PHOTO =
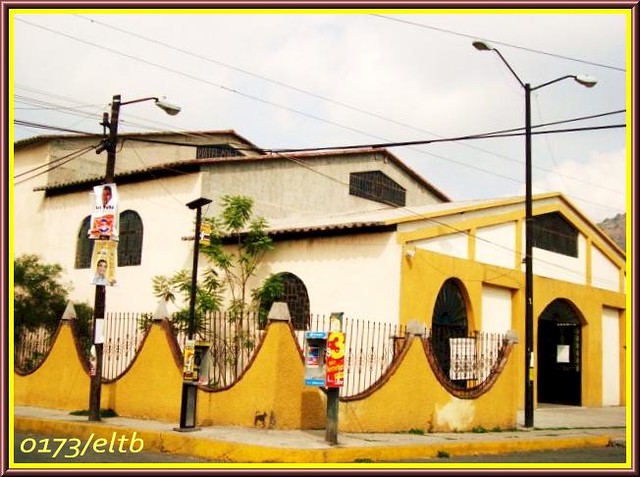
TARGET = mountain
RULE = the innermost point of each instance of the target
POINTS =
(616, 228)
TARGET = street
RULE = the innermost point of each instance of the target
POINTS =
(590, 455)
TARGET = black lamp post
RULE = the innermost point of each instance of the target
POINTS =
(109, 144)
(528, 256)
(189, 388)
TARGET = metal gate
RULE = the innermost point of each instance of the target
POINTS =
(559, 355)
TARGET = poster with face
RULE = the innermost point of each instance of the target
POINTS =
(104, 263)
(104, 213)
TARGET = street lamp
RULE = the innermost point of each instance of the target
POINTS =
(109, 144)
(528, 257)
(190, 388)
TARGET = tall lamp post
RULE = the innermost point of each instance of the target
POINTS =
(109, 144)
(189, 387)
(528, 256)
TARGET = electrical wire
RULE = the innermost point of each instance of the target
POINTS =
(58, 163)
(250, 96)
(495, 42)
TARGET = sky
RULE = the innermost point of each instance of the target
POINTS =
(293, 80)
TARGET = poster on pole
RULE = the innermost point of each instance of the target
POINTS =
(104, 213)
(335, 359)
(104, 262)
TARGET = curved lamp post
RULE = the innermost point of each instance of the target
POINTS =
(109, 144)
(528, 287)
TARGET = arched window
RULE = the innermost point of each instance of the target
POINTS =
(449, 321)
(294, 294)
(129, 245)
(84, 246)
(130, 239)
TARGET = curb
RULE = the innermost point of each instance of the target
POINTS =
(235, 452)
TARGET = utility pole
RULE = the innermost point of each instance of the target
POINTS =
(109, 144)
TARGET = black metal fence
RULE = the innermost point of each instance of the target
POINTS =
(468, 362)
(123, 333)
(371, 348)
(31, 348)
(232, 342)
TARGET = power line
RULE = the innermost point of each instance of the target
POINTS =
(451, 32)
(262, 100)
(58, 163)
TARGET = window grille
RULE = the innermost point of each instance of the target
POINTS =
(130, 239)
(84, 246)
(375, 185)
(553, 233)
(294, 294)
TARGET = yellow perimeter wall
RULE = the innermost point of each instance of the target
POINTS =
(407, 397)
(424, 272)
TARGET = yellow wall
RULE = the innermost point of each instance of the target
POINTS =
(62, 379)
(412, 398)
(408, 397)
(424, 273)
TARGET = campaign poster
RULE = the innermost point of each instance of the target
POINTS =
(335, 359)
(188, 365)
(104, 213)
(104, 263)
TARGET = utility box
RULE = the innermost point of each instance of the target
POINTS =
(324, 358)
(315, 351)
(194, 358)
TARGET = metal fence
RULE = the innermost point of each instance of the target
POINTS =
(468, 362)
(31, 348)
(232, 342)
(123, 333)
(370, 349)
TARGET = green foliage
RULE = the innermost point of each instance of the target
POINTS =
(84, 320)
(230, 267)
(178, 286)
(103, 413)
(479, 430)
(236, 225)
(419, 432)
(270, 291)
(40, 297)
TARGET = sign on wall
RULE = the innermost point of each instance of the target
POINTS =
(463, 358)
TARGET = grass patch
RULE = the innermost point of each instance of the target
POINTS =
(364, 460)
(479, 430)
(442, 454)
(103, 413)
(419, 432)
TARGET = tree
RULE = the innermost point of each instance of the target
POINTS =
(231, 267)
(238, 264)
(208, 296)
(40, 297)
(237, 244)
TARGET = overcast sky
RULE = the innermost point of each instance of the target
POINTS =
(292, 80)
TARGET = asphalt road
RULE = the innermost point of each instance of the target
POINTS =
(590, 455)
(39, 448)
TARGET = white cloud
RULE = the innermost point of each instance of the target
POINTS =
(596, 187)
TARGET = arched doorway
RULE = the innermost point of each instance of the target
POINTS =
(559, 355)
(449, 321)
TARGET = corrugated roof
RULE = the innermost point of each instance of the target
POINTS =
(193, 165)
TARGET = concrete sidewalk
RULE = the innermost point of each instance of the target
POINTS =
(555, 427)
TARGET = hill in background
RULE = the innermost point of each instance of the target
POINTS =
(616, 228)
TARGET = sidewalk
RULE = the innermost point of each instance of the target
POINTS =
(555, 427)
